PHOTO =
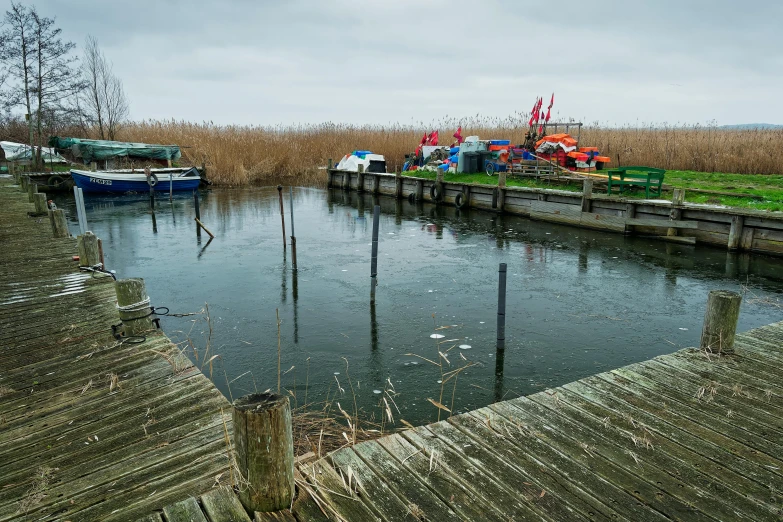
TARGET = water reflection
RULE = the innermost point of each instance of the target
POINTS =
(579, 301)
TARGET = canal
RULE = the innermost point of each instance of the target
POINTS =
(579, 302)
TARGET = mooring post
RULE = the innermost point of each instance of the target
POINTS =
(39, 199)
(89, 254)
(419, 190)
(171, 185)
(79, 213)
(360, 181)
(152, 198)
(376, 184)
(502, 307)
(133, 305)
(678, 197)
(23, 182)
(720, 321)
(587, 195)
(59, 224)
(282, 214)
(32, 189)
(293, 234)
(398, 185)
(198, 213)
(264, 448)
(735, 232)
(329, 174)
(376, 217)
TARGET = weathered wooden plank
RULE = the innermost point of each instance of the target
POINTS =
(335, 490)
(185, 511)
(152, 517)
(453, 491)
(679, 469)
(481, 477)
(276, 516)
(377, 495)
(222, 505)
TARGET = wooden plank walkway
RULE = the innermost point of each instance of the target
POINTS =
(89, 429)
(679, 437)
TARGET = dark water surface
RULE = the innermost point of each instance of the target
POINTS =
(579, 302)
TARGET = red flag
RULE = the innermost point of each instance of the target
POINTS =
(458, 135)
(552, 101)
(533, 113)
(423, 139)
(433, 139)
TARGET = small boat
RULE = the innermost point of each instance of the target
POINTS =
(121, 182)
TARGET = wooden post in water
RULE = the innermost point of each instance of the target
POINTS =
(264, 447)
(133, 305)
(293, 234)
(678, 198)
(398, 185)
(59, 224)
(376, 216)
(720, 321)
(360, 181)
(39, 199)
(32, 188)
(376, 184)
(587, 194)
(282, 214)
(501, 344)
(171, 185)
(198, 213)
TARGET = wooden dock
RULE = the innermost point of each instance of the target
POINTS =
(90, 429)
(95, 430)
(684, 436)
(735, 229)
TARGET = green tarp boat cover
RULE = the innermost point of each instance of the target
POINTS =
(94, 150)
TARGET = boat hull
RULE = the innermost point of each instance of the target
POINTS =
(121, 184)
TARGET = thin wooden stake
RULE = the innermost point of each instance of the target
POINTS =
(376, 216)
(282, 214)
(501, 342)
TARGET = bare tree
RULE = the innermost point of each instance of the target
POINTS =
(104, 97)
(56, 79)
(17, 53)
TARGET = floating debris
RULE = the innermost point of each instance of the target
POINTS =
(377, 392)
(437, 336)
(465, 347)
(684, 329)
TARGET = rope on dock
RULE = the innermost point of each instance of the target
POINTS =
(135, 307)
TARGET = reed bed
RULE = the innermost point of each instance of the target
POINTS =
(241, 155)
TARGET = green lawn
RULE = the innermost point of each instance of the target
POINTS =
(768, 188)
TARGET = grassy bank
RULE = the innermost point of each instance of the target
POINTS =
(239, 155)
(766, 191)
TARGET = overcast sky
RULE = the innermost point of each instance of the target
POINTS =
(297, 61)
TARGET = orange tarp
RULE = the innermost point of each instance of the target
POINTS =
(565, 139)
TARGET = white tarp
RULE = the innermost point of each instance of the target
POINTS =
(351, 163)
(19, 152)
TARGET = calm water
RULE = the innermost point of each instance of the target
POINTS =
(579, 302)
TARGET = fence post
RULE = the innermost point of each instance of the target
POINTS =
(264, 447)
(89, 254)
(720, 321)
(59, 224)
(502, 307)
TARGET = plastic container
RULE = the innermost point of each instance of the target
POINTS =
(454, 150)
(500, 142)
(588, 149)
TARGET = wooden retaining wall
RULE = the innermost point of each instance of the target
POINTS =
(731, 228)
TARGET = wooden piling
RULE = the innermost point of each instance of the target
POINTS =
(501, 341)
(376, 185)
(735, 232)
(133, 305)
(587, 195)
(59, 224)
(198, 213)
(376, 216)
(39, 199)
(32, 189)
(630, 213)
(397, 185)
(23, 182)
(89, 254)
(360, 180)
(282, 214)
(675, 214)
(419, 190)
(720, 321)
(293, 233)
(264, 448)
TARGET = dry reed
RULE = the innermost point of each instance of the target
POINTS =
(241, 155)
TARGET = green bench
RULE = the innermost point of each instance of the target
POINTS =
(647, 177)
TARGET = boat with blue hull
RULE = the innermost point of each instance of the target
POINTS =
(122, 182)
